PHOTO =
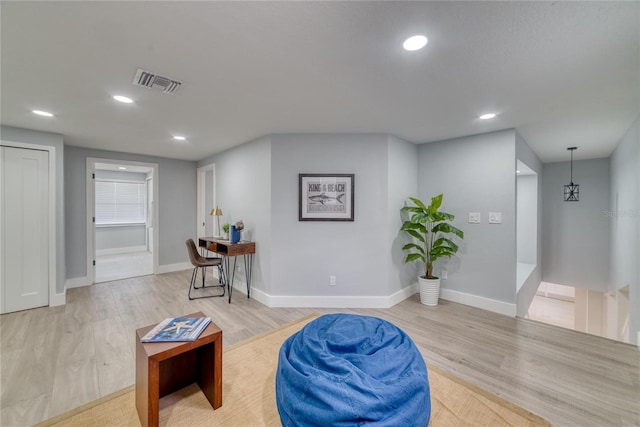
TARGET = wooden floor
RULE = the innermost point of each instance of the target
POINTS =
(54, 359)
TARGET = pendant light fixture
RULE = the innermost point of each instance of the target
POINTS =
(572, 191)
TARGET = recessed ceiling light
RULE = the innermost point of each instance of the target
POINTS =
(122, 168)
(415, 43)
(179, 138)
(487, 116)
(123, 99)
(517, 171)
(42, 113)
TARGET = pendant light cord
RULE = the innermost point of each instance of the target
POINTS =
(571, 167)
(572, 149)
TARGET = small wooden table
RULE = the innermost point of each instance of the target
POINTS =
(162, 368)
(227, 250)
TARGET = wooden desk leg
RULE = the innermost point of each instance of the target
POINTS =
(210, 371)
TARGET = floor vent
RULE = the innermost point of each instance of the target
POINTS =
(152, 80)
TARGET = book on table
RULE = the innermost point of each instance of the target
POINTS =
(177, 329)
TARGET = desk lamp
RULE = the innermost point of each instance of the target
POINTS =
(217, 213)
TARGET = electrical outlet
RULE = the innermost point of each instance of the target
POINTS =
(332, 280)
(474, 217)
(444, 274)
(495, 217)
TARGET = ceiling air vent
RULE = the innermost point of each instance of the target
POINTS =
(148, 79)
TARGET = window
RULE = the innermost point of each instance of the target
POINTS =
(120, 202)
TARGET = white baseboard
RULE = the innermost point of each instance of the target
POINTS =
(114, 251)
(334, 301)
(170, 268)
(58, 299)
(402, 294)
(488, 304)
(77, 282)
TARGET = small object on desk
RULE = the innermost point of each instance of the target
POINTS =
(177, 329)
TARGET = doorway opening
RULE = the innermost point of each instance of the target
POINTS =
(122, 234)
(206, 201)
(584, 310)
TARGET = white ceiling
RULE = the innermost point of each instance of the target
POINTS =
(562, 73)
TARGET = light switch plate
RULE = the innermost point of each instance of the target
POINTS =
(474, 217)
(495, 217)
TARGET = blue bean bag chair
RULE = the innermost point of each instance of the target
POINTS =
(350, 370)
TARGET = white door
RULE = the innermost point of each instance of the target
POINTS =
(150, 215)
(24, 281)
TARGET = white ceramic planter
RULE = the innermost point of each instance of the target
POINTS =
(429, 291)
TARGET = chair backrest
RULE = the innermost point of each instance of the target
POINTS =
(198, 260)
(195, 258)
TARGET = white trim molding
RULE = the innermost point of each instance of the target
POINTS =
(59, 299)
(331, 301)
(500, 307)
(123, 250)
(170, 268)
(77, 282)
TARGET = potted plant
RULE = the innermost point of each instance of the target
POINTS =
(225, 230)
(431, 228)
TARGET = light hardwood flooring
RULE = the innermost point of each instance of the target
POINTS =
(54, 359)
(553, 311)
(122, 266)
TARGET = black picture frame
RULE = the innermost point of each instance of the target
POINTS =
(326, 197)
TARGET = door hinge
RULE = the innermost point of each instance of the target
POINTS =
(94, 219)
(94, 262)
(93, 176)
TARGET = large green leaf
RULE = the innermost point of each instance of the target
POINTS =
(414, 257)
(443, 241)
(444, 227)
(411, 209)
(436, 202)
(418, 203)
(417, 235)
(413, 246)
(439, 252)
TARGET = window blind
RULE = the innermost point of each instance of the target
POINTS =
(120, 202)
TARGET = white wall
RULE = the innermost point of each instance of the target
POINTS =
(575, 235)
(476, 174)
(126, 236)
(243, 192)
(8, 133)
(527, 220)
(527, 290)
(402, 183)
(624, 222)
(304, 254)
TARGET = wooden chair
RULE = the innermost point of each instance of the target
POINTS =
(200, 262)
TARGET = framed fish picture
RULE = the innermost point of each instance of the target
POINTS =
(326, 197)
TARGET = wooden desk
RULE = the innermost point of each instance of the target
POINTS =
(164, 367)
(227, 250)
